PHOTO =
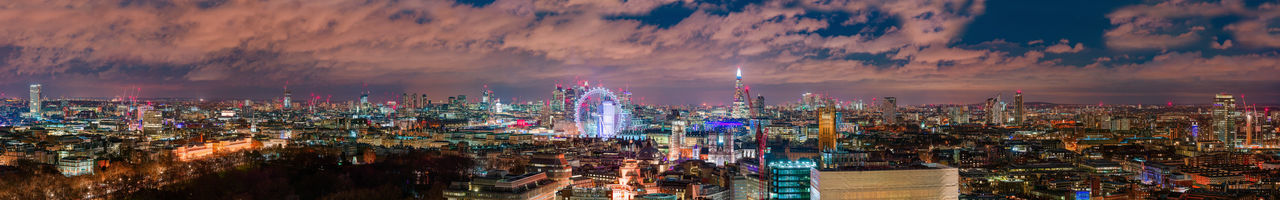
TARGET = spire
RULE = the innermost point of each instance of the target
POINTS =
(739, 72)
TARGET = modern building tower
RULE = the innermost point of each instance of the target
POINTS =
(890, 110)
(35, 98)
(557, 99)
(994, 111)
(1020, 112)
(287, 95)
(757, 107)
(740, 99)
(827, 120)
(1224, 123)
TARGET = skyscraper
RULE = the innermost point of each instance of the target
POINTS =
(740, 99)
(287, 95)
(1224, 123)
(35, 98)
(1020, 114)
(757, 107)
(557, 99)
(890, 110)
(827, 120)
(994, 111)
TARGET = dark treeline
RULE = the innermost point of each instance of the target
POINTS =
(323, 173)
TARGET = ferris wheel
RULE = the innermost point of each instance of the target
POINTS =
(599, 113)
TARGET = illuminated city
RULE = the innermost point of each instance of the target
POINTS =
(639, 100)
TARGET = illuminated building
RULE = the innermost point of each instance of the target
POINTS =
(288, 102)
(608, 119)
(597, 114)
(677, 143)
(720, 147)
(555, 166)
(75, 166)
(1020, 111)
(495, 186)
(757, 107)
(827, 120)
(994, 111)
(34, 101)
(746, 187)
(364, 102)
(931, 181)
(152, 121)
(958, 114)
(656, 196)
(1224, 122)
(740, 98)
(890, 110)
(791, 180)
(193, 152)
(557, 99)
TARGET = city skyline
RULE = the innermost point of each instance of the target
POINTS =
(666, 52)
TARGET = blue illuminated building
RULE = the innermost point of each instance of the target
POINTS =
(791, 179)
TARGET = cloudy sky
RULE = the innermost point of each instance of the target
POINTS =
(666, 51)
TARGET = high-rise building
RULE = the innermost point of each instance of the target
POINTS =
(486, 99)
(890, 110)
(423, 102)
(152, 121)
(405, 101)
(994, 111)
(958, 114)
(35, 98)
(757, 107)
(1020, 112)
(557, 99)
(827, 120)
(740, 98)
(1224, 119)
(288, 103)
(364, 102)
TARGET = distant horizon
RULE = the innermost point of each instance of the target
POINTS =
(470, 99)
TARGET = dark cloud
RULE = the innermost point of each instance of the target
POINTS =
(668, 51)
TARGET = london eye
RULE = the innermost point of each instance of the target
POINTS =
(599, 113)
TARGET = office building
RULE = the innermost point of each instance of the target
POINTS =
(1020, 110)
(34, 101)
(929, 181)
(889, 110)
(1224, 119)
(791, 179)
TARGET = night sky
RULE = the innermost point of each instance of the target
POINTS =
(668, 52)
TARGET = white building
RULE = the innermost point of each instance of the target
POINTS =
(75, 166)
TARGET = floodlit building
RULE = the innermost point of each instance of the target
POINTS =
(75, 166)
(929, 181)
(532, 186)
(1224, 123)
